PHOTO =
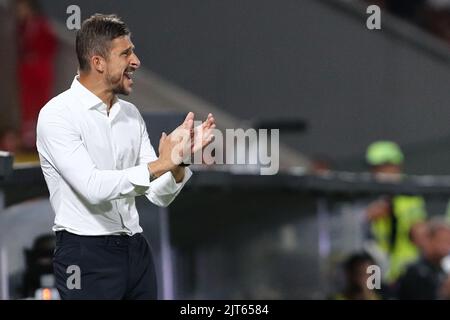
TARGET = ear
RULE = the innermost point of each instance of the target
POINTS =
(98, 63)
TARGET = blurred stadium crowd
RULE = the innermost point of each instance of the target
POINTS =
(412, 247)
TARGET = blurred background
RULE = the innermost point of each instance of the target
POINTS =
(364, 144)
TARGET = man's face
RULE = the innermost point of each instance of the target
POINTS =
(387, 169)
(120, 65)
(441, 243)
(419, 236)
(358, 278)
(387, 172)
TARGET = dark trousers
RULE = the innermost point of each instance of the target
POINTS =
(104, 267)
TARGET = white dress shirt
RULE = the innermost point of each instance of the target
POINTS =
(95, 164)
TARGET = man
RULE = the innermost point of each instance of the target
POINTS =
(391, 217)
(426, 279)
(355, 272)
(96, 157)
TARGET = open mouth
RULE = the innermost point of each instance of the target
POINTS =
(128, 75)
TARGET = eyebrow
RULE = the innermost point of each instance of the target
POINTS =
(127, 50)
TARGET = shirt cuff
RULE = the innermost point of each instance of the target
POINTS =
(166, 184)
(139, 175)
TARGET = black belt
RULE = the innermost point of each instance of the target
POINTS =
(67, 237)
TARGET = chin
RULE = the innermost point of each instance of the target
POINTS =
(123, 91)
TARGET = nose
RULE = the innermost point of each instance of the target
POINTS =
(135, 63)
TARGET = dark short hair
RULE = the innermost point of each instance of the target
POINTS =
(356, 259)
(95, 36)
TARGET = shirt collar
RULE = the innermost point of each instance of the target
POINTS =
(90, 100)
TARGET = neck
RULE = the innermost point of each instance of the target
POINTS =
(97, 87)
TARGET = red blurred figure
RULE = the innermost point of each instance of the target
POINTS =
(36, 48)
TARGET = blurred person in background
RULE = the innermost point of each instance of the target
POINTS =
(355, 279)
(392, 217)
(426, 279)
(39, 263)
(9, 140)
(36, 50)
(418, 235)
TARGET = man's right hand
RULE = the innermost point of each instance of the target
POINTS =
(173, 148)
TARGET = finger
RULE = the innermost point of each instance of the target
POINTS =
(188, 125)
(189, 116)
(208, 122)
(189, 120)
(161, 141)
(163, 137)
(207, 138)
(207, 117)
(211, 121)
